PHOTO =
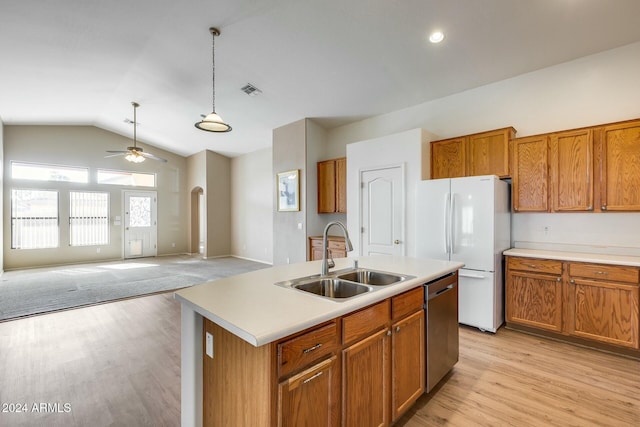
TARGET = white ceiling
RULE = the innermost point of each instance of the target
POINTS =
(337, 61)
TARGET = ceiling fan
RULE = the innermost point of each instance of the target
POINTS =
(134, 153)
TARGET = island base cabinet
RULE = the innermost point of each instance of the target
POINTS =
(605, 312)
(237, 381)
(366, 376)
(407, 362)
(310, 398)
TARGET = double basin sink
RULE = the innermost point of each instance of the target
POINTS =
(343, 284)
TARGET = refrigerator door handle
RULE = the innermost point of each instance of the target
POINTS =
(452, 209)
(446, 222)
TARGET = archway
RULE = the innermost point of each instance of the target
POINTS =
(197, 240)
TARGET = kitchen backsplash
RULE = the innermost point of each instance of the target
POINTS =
(608, 233)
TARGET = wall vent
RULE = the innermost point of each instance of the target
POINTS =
(250, 90)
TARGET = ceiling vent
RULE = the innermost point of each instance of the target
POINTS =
(250, 90)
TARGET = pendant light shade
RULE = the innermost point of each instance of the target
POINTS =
(213, 122)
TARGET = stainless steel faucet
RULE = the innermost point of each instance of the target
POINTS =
(327, 264)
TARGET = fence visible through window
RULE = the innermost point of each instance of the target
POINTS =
(88, 218)
(34, 219)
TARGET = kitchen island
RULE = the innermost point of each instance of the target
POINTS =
(250, 313)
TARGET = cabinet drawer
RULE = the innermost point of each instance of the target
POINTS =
(535, 265)
(300, 351)
(614, 273)
(316, 242)
(337, 245)
(362, 323)
(407, 303)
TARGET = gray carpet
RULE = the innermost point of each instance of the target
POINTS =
(35, 291)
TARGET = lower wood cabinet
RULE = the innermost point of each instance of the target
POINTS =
(407, 363)
(363, 369)
(365, 390)
(594, 303)
(534, 293)
(335, 244)
(311, 398)
(603, 304)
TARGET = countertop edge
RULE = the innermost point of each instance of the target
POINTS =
(626, 260)
(333, 312)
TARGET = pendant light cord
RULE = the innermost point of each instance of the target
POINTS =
(213, 74)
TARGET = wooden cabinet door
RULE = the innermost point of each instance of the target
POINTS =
(571, 171)
(530, 174)
(326, 186)
(448, 158)
(407, 362)
(620, 173)
(488, 153)
(311, 398)
(365, 382)
(534, 300)
(341, 185)
(604, 311)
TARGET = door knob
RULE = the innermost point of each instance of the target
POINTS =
(396, 242)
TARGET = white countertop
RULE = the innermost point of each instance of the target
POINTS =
(629, 260)
(252, 307)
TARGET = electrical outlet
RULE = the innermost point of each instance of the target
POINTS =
(209, 345)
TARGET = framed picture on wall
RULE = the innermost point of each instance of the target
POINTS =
(289, 190)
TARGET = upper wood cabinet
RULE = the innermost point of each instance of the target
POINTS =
(448, 158)
(571, 170)
(530, 174)
(485, 153)
(332, 186)
(620, 167)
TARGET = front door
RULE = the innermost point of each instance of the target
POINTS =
(382, 209)
(140, 224)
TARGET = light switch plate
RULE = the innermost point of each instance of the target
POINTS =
(209, 345)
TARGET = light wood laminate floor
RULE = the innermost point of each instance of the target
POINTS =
(118, 364)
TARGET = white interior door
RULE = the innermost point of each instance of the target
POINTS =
(140, 224)
(382, 211)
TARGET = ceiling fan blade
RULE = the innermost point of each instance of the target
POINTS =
(151, 156)
(117, 153)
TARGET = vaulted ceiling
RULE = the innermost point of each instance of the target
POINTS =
(337, 61)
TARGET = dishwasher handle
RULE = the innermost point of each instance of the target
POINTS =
(441, 291)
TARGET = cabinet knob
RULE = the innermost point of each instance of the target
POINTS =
(589, 208)
(572, 281)
(388, 333)
(515, 209)
(559, 279)
(603, 207)
(397, 328)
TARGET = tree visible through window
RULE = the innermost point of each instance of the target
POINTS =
(88, 218)
(34, 219)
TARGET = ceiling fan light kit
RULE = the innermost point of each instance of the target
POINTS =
(134, 154)
(212, 122)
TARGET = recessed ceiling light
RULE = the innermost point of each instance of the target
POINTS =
(436, 37)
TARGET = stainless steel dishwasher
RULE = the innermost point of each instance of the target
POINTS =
(441, 320)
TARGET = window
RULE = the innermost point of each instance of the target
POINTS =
(34, 219)
(42, 172)
(88, 218)
(132, 179)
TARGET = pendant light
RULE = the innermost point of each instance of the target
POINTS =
(213, 122)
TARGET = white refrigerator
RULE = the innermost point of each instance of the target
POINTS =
(468, 220)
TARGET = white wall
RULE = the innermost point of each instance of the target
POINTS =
(592, 90)
(252, 189)
(403, 148)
